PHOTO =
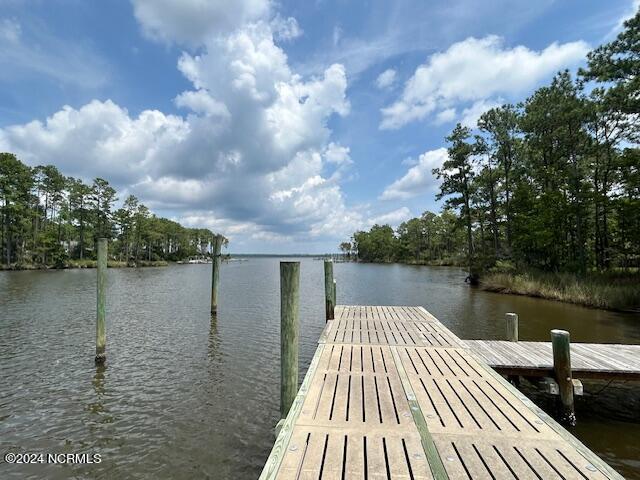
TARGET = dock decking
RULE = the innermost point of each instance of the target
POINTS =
(391, 393)
(588, 360)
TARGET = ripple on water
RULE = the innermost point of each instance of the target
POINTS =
(183, 395)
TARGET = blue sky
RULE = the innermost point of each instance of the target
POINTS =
(286, 126)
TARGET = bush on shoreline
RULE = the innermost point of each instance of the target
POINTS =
(613, 291)
(86, 263)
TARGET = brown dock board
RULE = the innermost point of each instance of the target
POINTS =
(391, 393)
(588, 360)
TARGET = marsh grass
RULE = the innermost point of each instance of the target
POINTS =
(614, 291)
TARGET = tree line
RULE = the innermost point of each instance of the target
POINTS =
(551, 183)
(48, 219)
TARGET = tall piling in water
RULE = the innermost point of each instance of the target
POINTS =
(216, 248)
(101, 283)
(289, 333)
(561, 346)
(328, 289)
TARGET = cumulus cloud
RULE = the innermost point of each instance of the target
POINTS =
(473, 70)
(386, 79)
(418, 180)
(252, 154)
(193, 21)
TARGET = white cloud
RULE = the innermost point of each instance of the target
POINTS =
(445, 116)
(253, 153)
(393, 218)
(285, 29)
(471, 115)
(477, 69)
(386, 79)
(418, 180)
(193, 21)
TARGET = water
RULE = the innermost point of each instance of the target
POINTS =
(182, 396)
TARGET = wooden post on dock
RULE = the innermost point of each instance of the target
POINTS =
(101, 329)
(562, 368)
(335, 295)
(328, 289)
(512, 326)
(216, 247)
(289, 333)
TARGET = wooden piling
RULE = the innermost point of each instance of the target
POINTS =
(328, 289)
(512, 326)
(101, 283)
(216, 247)
(335, 294)
(562, 368)
(289, 333)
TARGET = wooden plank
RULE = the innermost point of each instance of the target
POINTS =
(392, 393)
(603, 361)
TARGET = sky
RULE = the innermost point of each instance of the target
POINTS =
(286, 126)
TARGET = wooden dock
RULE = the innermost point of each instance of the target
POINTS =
(535, 359)
(391, 393)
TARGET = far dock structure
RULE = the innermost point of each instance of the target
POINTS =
(391, 393)
(535, 359)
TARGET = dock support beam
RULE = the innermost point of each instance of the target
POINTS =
(562, 368)
(512, 326)
(101, 329)
(328, 289)
(289, 334)
(216, 247)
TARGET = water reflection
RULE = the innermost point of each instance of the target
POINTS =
(98, 382)
(214, 339)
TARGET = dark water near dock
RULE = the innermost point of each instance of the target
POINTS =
(185, 396)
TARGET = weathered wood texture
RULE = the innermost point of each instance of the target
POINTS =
(588, 360)
(329, 291)
(393, 394)
(216, 248)
(101, 292)
(289, 333)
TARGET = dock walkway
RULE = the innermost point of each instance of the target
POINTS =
(535, 359)
(391, 393)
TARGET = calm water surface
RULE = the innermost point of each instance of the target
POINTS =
(185, 396)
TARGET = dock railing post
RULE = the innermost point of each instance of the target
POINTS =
(289, 334)
(328, 289)
(512, 326)
(101, 290)
(216, 247)
(561, 346)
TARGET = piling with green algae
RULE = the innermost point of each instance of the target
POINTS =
(289, 333)
(561, 346)
(216, 248)
(329, 290)
(101, 329)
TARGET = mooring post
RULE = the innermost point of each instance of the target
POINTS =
(562, 368)
(216, 247)
(101, 329)
(328, 289)
(289, 333)
(335, 295)
(512, 326)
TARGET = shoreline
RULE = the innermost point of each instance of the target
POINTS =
(81, 265)
(601, 291)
